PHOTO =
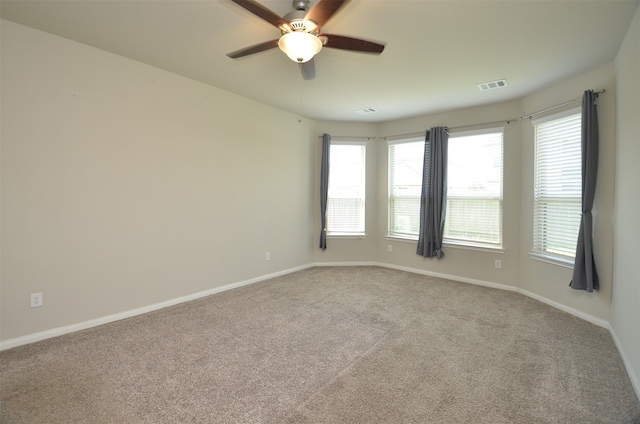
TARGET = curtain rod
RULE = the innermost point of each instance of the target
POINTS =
(555, 107)
(349, 137)
(482, 124)
(423, 133)
(401, 136)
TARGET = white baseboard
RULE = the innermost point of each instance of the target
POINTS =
(450, 277)
(8, 344)
(634, 379)
(325, 264)
(560, 306)
(54, 332)
(594, 320)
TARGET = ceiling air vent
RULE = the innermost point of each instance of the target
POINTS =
(367, 111)
(492, 85)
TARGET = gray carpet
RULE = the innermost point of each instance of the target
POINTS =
(328, 345)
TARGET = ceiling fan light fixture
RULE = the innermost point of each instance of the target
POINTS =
(300, 46)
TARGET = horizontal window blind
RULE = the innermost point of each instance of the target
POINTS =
(473, 220)
(346, 194)
(405, 185)
(557, 186)
(474, 188)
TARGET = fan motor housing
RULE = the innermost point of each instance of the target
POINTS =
(298, 23)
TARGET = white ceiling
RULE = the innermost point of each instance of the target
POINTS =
(436, 51)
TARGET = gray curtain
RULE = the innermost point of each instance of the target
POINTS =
(324, 188)
(585, 276)
(434, 193)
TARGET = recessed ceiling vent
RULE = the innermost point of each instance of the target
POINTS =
(367, 111)
(492, 85)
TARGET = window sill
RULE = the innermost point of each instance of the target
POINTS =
(471, 246)
(448, 244)
(347, 236)
(405, 239)
(550, 259)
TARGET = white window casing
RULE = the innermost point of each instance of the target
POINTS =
(475, 188)
(405, 162)
(347, 186)
(557, 187)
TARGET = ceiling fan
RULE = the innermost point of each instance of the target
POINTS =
(301, 39)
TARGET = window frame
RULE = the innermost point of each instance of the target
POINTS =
(356, 233)
(479, 244)
(537, 251)
(392, 233)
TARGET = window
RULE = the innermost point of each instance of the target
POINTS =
(557, 201)
(345, 203)
(405, 186)
(474, 188)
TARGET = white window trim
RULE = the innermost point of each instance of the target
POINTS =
(480, 131)
(475, 247)
(408, 239)
(355, 234)
(550, 258)
(463, 244)
(405, 141)
(402, 237)
(358, 236)
(557, 115)
(398, 235)
(350, 142)
(479, 245)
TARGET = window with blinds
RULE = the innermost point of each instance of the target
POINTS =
(346, 195)
(474, 188)
(405, 163)
(557, 186)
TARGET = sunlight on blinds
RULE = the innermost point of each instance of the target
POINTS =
(557, 186)
(405, 186)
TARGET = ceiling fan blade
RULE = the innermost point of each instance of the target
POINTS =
(308, 70)
(353, 44)
(256, 48)
(324, 10)
(262, 12)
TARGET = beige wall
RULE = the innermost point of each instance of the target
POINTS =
(625, 309)
(124, 185)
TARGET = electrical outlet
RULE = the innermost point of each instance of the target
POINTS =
(498, 264)
(36, 300)
(267, 256)
(389, 248)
